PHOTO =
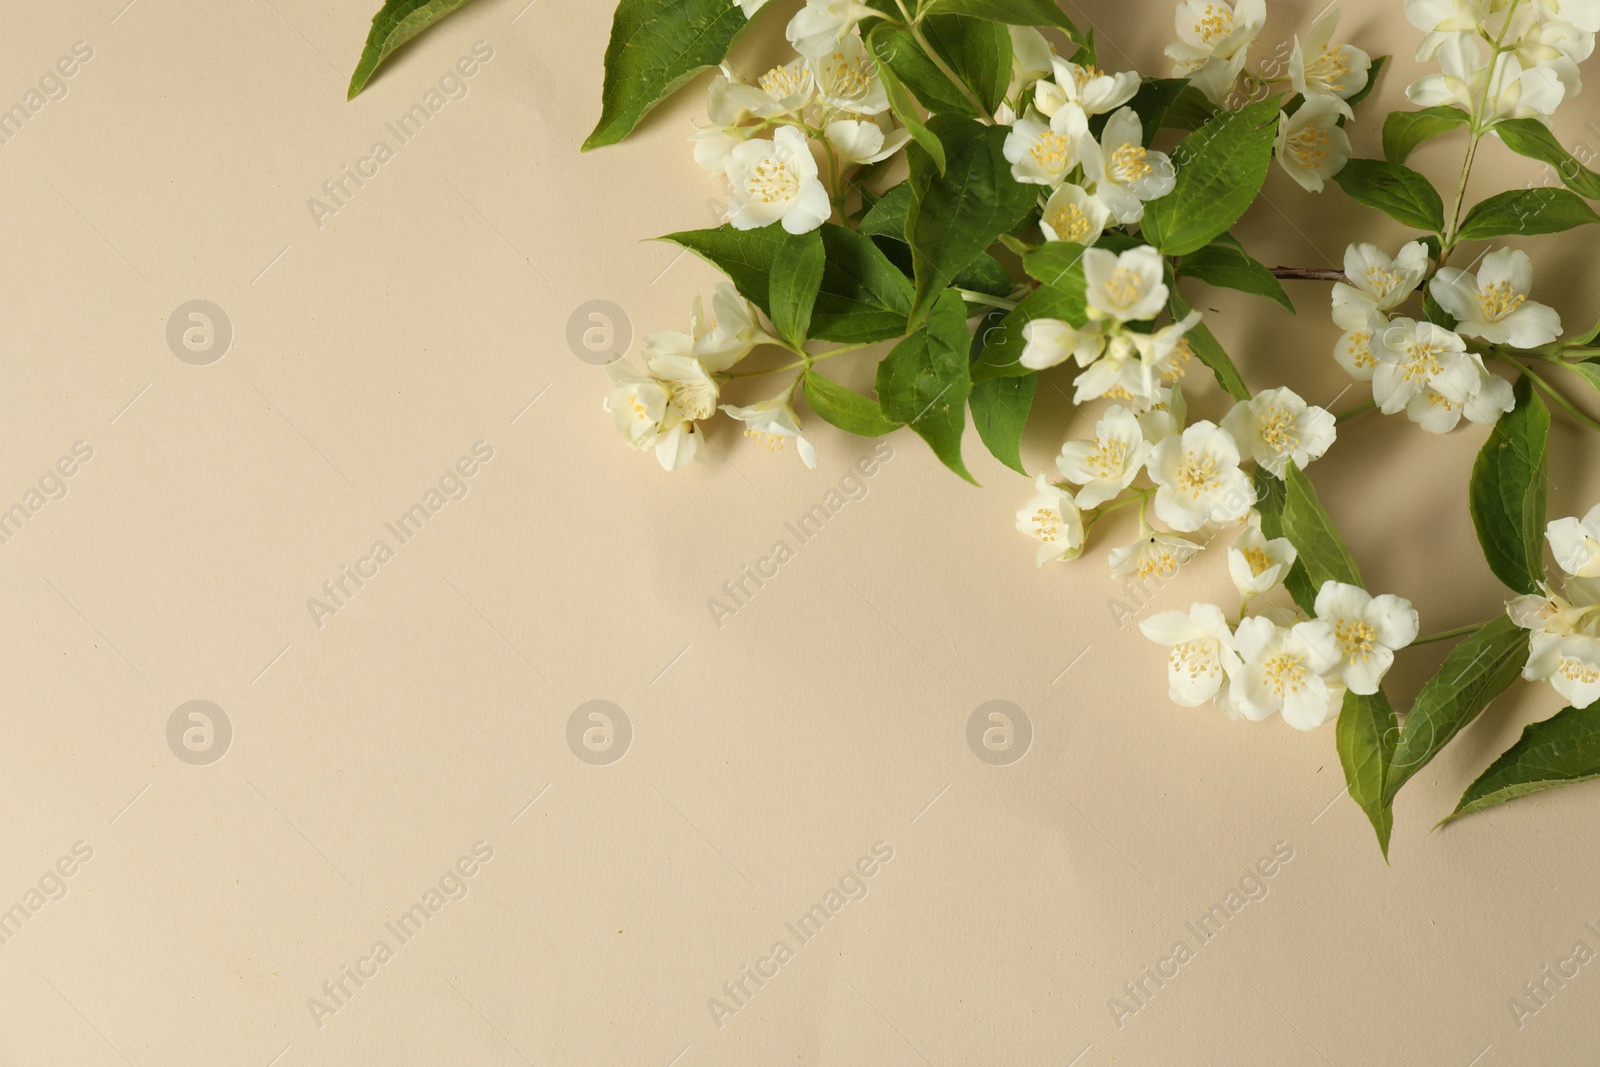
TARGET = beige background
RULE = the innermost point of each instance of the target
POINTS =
(369, 754)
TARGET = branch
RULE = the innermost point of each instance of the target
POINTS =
(1311, 274)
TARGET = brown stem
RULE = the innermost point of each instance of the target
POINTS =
(1311, 274)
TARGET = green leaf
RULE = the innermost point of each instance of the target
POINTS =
(887, 217)
(1190, 110)
(1271, 497)
(1365, 91)
(1562, 750)
(863, 297)
(925, 381)
(985, 275)
(1527, 212)
(846, 408)
(1588, 370)
(1225, 263)
(1307, 526)
(1000, 406)
(1397, 191)
(901, 102)
(1477, 670)
(1015, 12)
(1221, 167)
(1366, 734)
(1003, 342)
(745, 256)
(904, 55)
(1208, 350)
(1508, 492)
(1403, 131)
(796, 277)
(1151, 103)
(393, 26)
(978, 51)
(956, 215)
(656, 46)
(1532, 138)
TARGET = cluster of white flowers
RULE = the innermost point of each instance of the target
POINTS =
(1565, 648)
(1301, 669)
(1092, 182)
(1423, 368)
(831, 96)
(658, 409)
(1502, 59)
(1213, 48)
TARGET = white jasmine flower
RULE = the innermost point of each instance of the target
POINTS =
(1321, 68)
(864, 141)
(1043, 153)
(1570, 664)
(734, 330)
(1163, 355)
(1125, 173)
(1276, 427)
(1493, 304)
(1032, 58)
(1073, 215)
(1199, 479)
(1312, 147)
(1354, 350)
(789, 88)
(1506, 88)
(1378, 283)
(1153, 555)
(1204, 654)
(776, 181)
(1575, 543)
(1126, 288)
(1051, 342)
(772, 422)
(822, 25)
(1164, 416)
(1108, 464)
(1092, 88)
(1414, 356)
(1258, 565)
(1214, 39)
(1437, 413)
(1117, 372)
(1055, 521)
(691, 390)
(649, 416)
(847, 79)
(1283, 672)
(1442, 20)
(1369, 630)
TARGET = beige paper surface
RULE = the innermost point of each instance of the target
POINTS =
(398, 772)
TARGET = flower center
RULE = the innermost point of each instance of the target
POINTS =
(1071, 224)
(1198, 473)
(1108, 457)
(781, 82)
(1258, 560)
(1157, 561)
(1177, 364)
(1308, 148)
(1285, 673)
(1124, 286)
(772, 442)
(847, 79)
(1357, 638)
(694, 403)
(1129, 164)
(1499, 300)
(1085, 74)
(1330, 68)
(1575, 670)
(1050, 151)
(1422, 361)
(1277, 429)
(1197, 659)
(1382, 282)
(1361, 349)
(1214, 24)
(1046, 524)
(772, 182)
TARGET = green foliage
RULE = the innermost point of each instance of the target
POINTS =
(925, 381)
(846, 408)
(901, 101)
(1526, 212)
(1221, 167)
(1403, 131)
(1508, 492)
(1308, 527)
(863, 296)
(1365, 735)
(1532, 138)
(656, 46)
(1562, 750)
(1396, 190)
(796, 277)
(395, 24)
(1226, 264)
(1015, 12)
(1477, 670)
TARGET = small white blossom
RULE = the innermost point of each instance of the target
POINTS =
(822, 25)
(1073, 215)
(1127, 288)
(1570, 664)
(1044, 153)
(1312, 147)
(1276, 427)
(847, 79)
(1415, 356)
(1107, 465)
(1378, 283)
(1354, 349)
(1051, 342)
(1575, 543)
(1284, 672)
(1055, 521)
(1493, 304)
(777, 181)
(858, 141)
(1369, 630)
(1199, 479)
(1153, 555)
(1214, 39)
(1124, 172)
(1256, 564)
(772, 422)
(1092, 88)
(1204, 654)
(1321, 68)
